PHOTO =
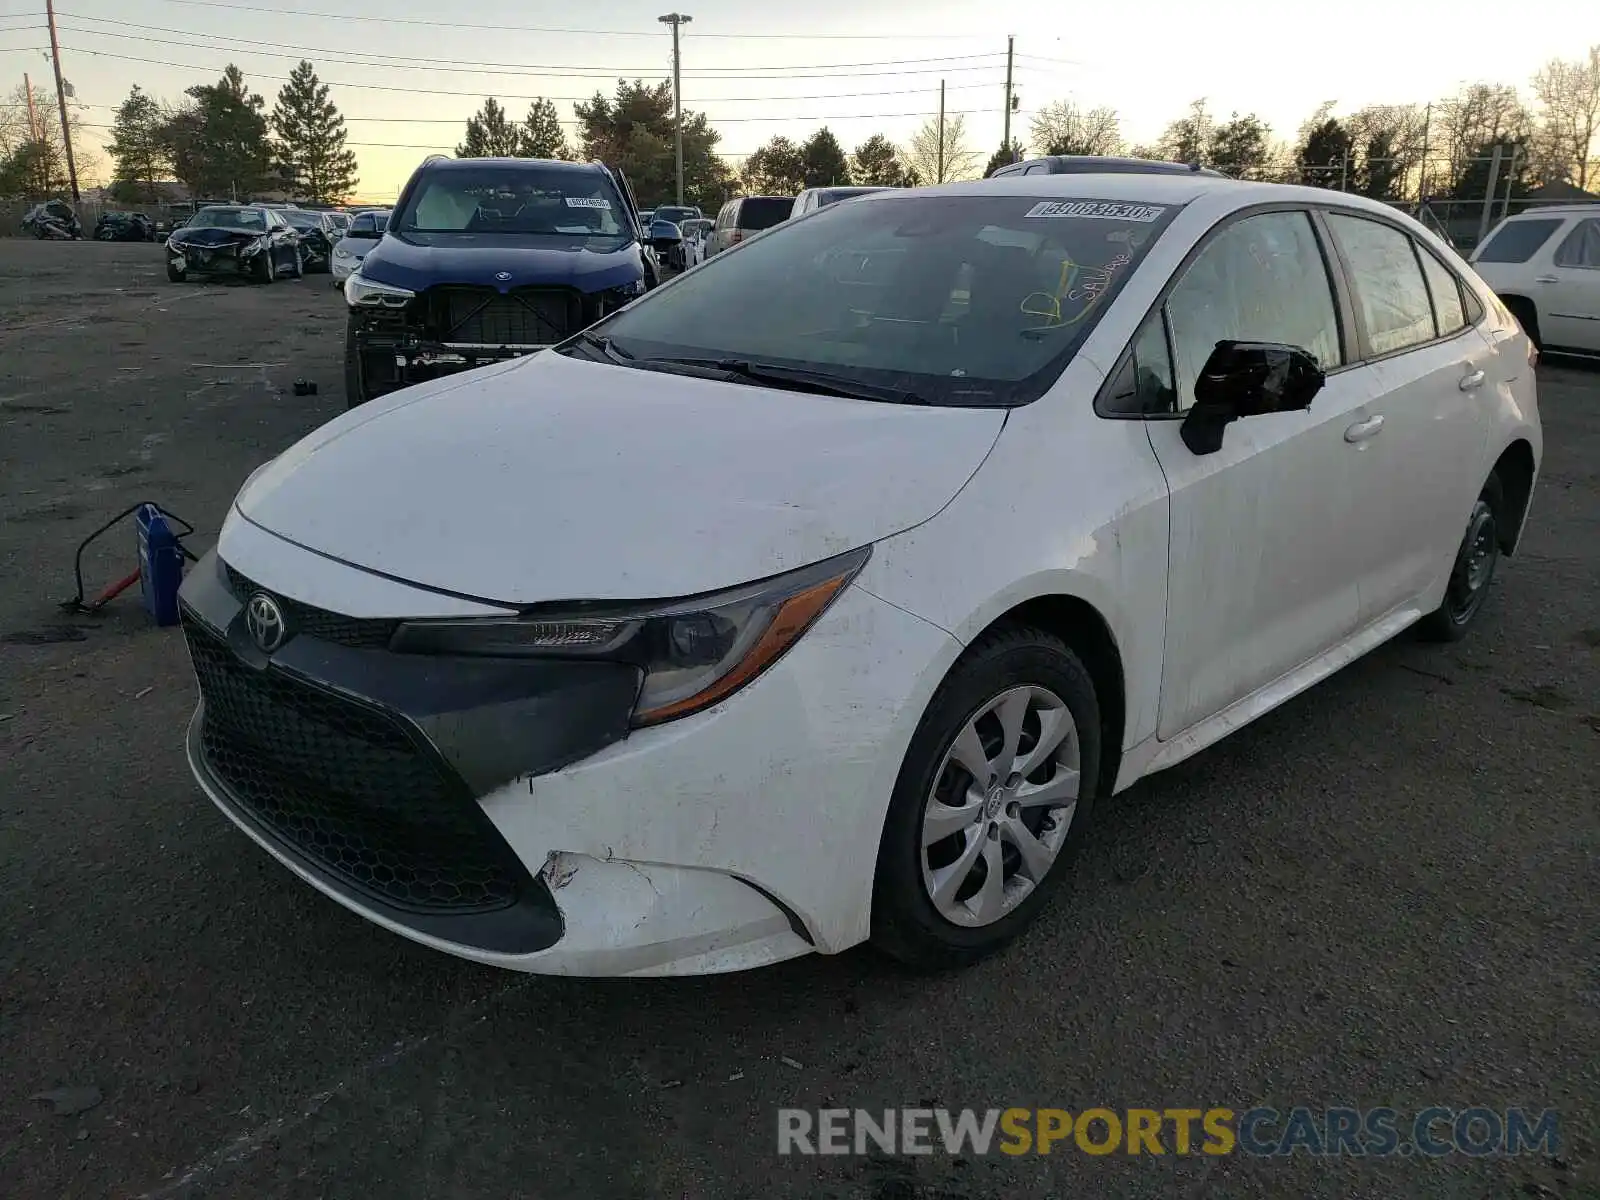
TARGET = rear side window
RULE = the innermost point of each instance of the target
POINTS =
(1581, 247)
(763, 212)
(1262, 279)
(1516, 241)
(1446, 292)
(1388, 283)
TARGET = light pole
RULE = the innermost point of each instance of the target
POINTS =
(675, 20)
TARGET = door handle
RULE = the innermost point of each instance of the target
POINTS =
(1468, 382)
(1545, 279)
(1362, 430)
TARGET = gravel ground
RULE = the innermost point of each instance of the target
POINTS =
(1386, 892)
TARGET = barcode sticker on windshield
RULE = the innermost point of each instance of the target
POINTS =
(587, 202)
(1104, 210)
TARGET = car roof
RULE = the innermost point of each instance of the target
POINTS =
(1565, 208)
(1135, 187)
(463, 164)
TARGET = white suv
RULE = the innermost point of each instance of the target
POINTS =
(1545, 266)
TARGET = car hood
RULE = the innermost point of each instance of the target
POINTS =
(548, 478)
(421, 260)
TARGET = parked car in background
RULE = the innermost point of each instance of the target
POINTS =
(124, 227)
(746, 215)
(341, 221)
(318, 236)
(485, 259)
(1082, 164)
(366, 228)
(54, 220)
(676, 213)
(812, 199)
(1544, 264)
(748, 624)
(696, 233)
(235, 241)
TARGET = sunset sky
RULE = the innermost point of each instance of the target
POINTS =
(407, 74)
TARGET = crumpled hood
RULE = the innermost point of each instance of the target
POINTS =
(548, 478)
(212, 236)
(422, 260)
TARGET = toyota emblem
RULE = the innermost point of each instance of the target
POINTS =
(264, 619)
(502, 276)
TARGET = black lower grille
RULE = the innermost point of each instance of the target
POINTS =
(304, 619)
(349, 787)
(485, 317)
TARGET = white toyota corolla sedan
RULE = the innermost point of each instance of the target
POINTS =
(732, 630)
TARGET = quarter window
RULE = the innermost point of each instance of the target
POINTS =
(1516, 241)
(1581, 247)
(1144, 386)
(1388, 283)
(1262, 279)
(1446, 291)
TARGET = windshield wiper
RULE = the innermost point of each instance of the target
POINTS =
(796, 379)
(606, 346)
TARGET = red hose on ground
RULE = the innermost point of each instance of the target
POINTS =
(115, 590)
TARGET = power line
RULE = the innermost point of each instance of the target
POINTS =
(413, 63)
(503, 28)
(557, 74)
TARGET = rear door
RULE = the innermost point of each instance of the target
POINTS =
(1417, 453)
(1261, 560)
(1570, 288)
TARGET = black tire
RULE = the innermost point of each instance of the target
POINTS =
(905, 923)
(175, 275)
(264, 269)
(355, 380)
(1527, 316)
(1470, 575)
(298, 271)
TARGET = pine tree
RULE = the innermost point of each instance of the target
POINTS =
(491, 134)
(542, 136)
(137, 146)
(219, 146)
(311, 152)
(824, 161)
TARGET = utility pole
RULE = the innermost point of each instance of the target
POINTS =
(676, 20)
(1005, 138)
(1489, 195)
(941, 133)
(61, 98)
(1344, 172)
(34, 133)
(1422, 174)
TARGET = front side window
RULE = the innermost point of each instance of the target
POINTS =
(1446, 291)
(1388, 283)
(1262, 279)
(1516, 241)
(962, 300)
(527, 200)
(1581, 247)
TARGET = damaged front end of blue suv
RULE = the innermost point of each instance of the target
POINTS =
(486, 259)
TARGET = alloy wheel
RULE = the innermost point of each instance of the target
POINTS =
(1001, 804)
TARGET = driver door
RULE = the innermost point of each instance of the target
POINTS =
(1262, 560)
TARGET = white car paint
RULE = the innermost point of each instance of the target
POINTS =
(1228, 583)
(1560, 280)
(347, 255)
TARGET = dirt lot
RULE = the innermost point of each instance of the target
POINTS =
(1387, 892)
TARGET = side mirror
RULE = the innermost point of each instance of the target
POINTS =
(1248, 379)
(664, 235)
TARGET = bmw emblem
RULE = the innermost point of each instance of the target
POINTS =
(503, 276)
(264, 619)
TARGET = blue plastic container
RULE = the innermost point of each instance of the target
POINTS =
(160, 564)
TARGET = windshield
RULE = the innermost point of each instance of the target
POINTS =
(963, 300)
(368, 222)
(505, 199)
(676, 215)
(302, 220)
(229, 218)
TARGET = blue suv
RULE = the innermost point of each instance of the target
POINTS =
(485, 259)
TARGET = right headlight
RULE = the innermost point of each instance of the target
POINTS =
(361, 292)
(693, 653)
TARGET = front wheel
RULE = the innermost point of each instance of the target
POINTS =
(1472, 571)
(265, 270)
(175, 275)
(355, 382)
(298, 270)
(992, 801)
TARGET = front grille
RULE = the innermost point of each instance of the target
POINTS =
(349, 787)
(364, 633)
(485, 317)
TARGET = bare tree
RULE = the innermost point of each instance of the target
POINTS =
(1480, 116)
(1569, 96)
(943, 160)
(1064, 128)
(1386, 145)
(1188, 139)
